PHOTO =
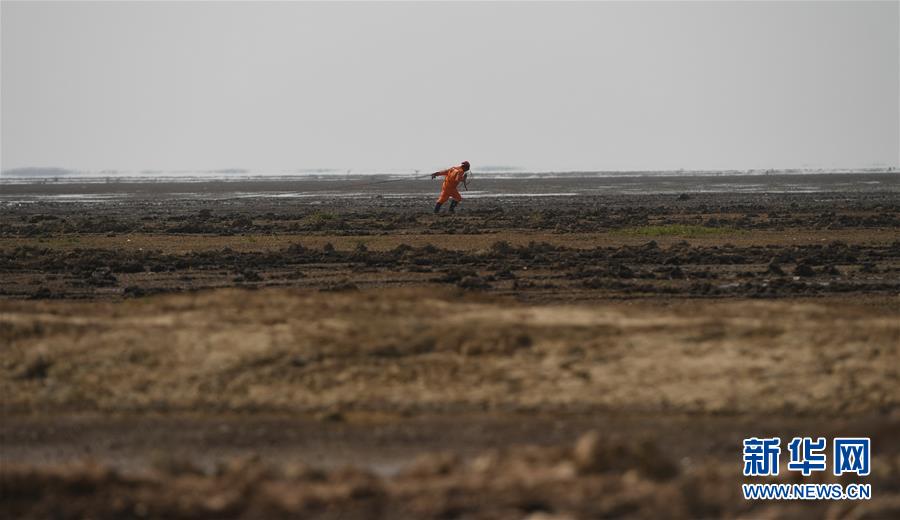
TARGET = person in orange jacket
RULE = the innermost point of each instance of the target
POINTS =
(452, 177)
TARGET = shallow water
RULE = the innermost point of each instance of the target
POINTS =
(15, 190)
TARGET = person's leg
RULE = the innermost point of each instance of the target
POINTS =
(441, 200)
(456, 199)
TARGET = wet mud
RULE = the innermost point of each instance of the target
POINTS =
(538, 249)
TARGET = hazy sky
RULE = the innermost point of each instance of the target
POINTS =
(558, 86)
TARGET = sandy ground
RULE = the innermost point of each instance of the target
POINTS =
(592, 356)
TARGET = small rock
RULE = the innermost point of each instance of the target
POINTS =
(676, 273)
(133, 291)
(102, 276)
(587, 453)
(330, 416)
(804, 270)
(831, 270)
(775, 269)
(624, 272)
(473, 282)
(36, 368)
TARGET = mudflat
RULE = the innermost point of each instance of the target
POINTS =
(557, 347)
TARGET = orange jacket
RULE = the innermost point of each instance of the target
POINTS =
(452, 177)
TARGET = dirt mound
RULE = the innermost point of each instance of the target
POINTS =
(596, 478)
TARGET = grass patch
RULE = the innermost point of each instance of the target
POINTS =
(321, 216)
(679, 230)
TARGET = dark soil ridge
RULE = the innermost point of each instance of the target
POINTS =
(679, 269)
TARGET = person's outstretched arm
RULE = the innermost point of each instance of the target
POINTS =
(442, 173)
